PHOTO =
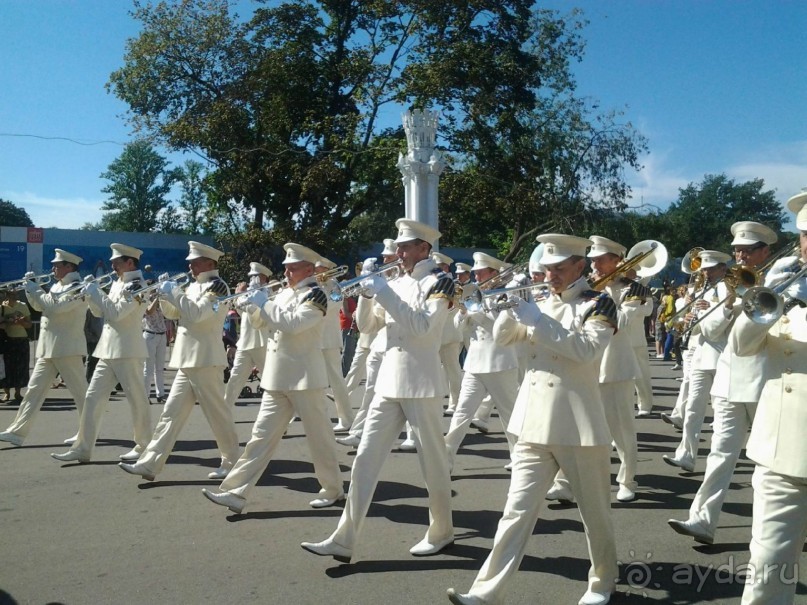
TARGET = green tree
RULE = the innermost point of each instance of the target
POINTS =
(139, 183)
(13, 216)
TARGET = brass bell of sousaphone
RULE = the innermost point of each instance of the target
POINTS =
(653, 255)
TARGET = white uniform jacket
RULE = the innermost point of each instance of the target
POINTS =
(485, 355)
(777, 435)
(451, 333)
(711, 344)
(559, 401)
(62, 327)
(331, 332)
(295, 317)
(254, 331)
(201, 320)
(619, 361)
(636, 329)
(122, 336)
(413, 308)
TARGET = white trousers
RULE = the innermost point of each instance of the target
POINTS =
(683, 391)
(154, 367)
(644, 388)
(777, 538)
(358, 369)
(71, 370)
(373, 364)
(108, 373)
(205, 385)
(617, 398)
(503, 389)
(245, 360)
(277, 409)
(700, 383)
(333, 364)
(534, 468)
(731, 424)
(385, 420)
(450, 356)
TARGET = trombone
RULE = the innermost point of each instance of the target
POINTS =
(738, 279)
(502, 277)
(648, 257)
(42, 280)
(352, 287)
(765, 305)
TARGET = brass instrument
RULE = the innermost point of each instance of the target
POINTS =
(765, 305)
(535, 292)
(183, 279)
(74, 291)
(648, 258)
(352, 287)
(503, 276)
(42, 280)
(241, 305)
(331, 274)
(738, 279)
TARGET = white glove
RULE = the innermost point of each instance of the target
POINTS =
(163, 277)
(166, 288)
(527, 313)
(254, 282)
(31, 286)
(90, 289)
(373, 284)
(256, 297)
(29, 275)
(368, 266)
(778, 273)
(797, 290)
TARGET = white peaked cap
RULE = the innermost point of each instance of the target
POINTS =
(409, 230)
(325, 262)
(389, 247)
(603, 245)
(200, 250)
(559, 247)
(535, 260)
(442, 259)
(486, 261)
(259, 269)
(119, 250)
(712, 258)
(748, 233)
(63, 256)
(462, 268)
(798, 206)
(296, 253)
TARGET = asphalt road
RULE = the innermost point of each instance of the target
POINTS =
(87, 534)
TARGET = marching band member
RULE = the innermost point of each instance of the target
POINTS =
(559, 421)
(777, 443)
(735, 392)
(410, 386)
(332, 351)
(637, 333)
(704, 363)
(676, 417)
(250, 350)
(294, 379)
(121, 352)
(463, 271)
(199, 359)
(155, 337)
(365, 321)
(451, 342)
(490, 368)
(619, 368)
(60, 348)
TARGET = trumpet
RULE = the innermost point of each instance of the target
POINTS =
(648, 257)
(330, 274)
(765, 305)
(502, 277)
(74, 291)
(181, 278)
(352, 287)
(488, 300)
(42, 280)
(240, 305)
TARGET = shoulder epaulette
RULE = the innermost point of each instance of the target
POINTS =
(637, 291)
(442, 288)
(318, 298)
(603, 309)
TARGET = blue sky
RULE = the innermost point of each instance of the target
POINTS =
(716, 86)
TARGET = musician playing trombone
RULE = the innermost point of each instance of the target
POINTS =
(777, 444)
(704, 360)
(61, 344)
(121, 352)
(735, 391)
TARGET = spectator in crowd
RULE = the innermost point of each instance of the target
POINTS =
(15, 320)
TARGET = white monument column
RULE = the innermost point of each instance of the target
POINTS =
(421, 166)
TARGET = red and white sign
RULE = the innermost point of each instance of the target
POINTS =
(36, 235)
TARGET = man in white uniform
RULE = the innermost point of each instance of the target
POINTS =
(777, 442)
(451, 343)
(559, 421)
(410, 387)
(61, 344)
(735, 392)
(294, 380)
(121, 352)
(199, 359)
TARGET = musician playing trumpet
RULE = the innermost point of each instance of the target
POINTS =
(60, 348)
(121, 352)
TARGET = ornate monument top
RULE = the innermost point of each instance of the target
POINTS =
(421, 129)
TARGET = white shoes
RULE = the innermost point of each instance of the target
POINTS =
(232, 501)
(11, 438)
(70, 456)
(692, 529)
(561, 494)
(71, 440)
(325, 502)
(341, 428)
(349, 440)
(329, 548)
(686, 463)
(408, 445)
(132, 455)
(137, 469)
(625, 494)
(480, 425)
(220, 473)
(463, 599)
(594, 598)
(424, 548)
(673, 420)
(642, 413)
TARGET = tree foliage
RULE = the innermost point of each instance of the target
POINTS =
(12, 215)
(288, 106)
(139, 183)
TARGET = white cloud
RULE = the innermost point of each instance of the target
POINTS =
(64, 213)
(656, 186)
